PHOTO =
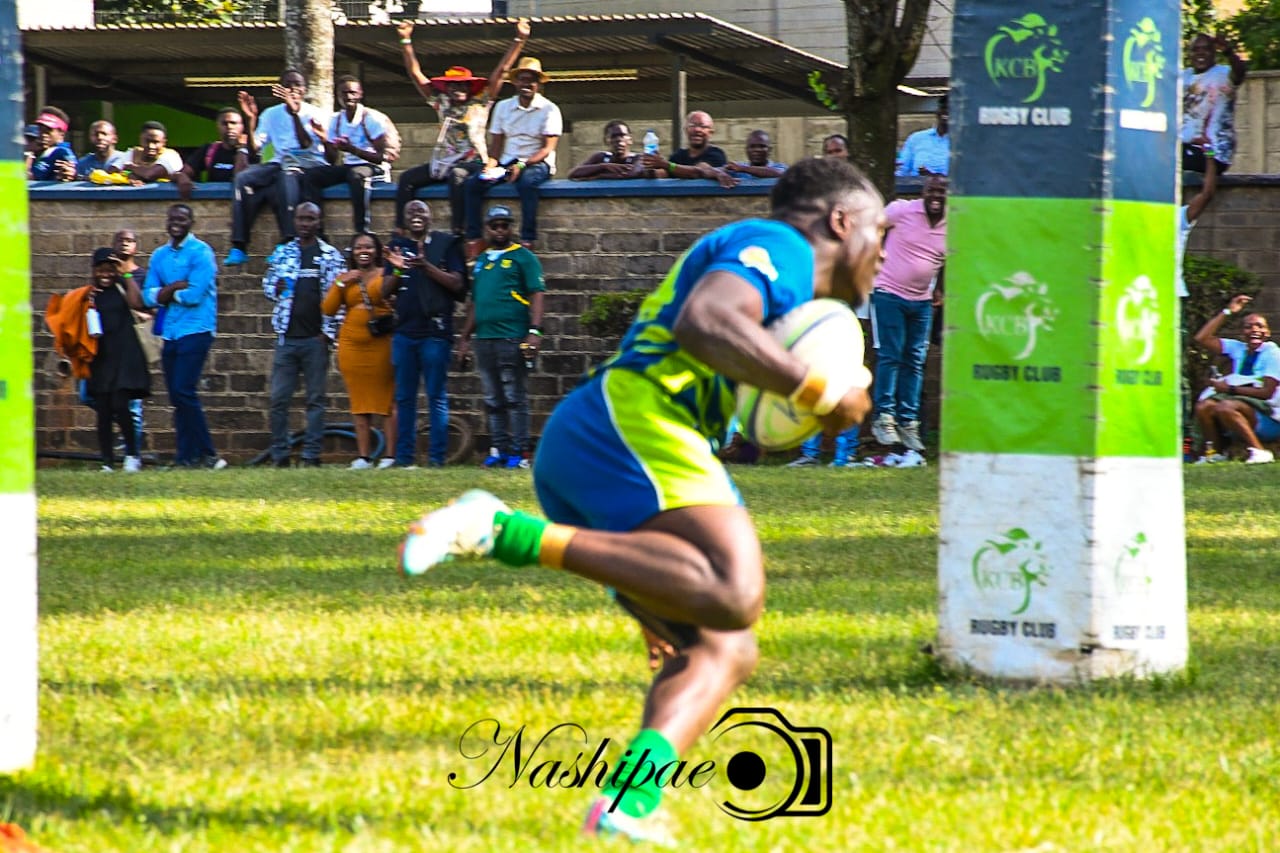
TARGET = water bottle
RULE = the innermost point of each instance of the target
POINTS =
(650, 142)
(530, 356)
(93, 322)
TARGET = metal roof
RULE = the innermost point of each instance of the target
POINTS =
(149, 62)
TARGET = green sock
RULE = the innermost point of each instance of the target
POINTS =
(519, 538)
(641, 798)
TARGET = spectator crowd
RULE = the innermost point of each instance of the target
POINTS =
(389, 305)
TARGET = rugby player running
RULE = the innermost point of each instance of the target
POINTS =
(626, 469)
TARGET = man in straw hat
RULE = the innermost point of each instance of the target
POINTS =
(462, 101)
(522, 141)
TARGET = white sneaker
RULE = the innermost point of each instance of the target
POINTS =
(909, 432)
(386, 462)
(885, 430)
(464, 528)
(132, 464)
(1259, 456)
(106, 469)
(910, 459)
(802, 462)
(360, 464)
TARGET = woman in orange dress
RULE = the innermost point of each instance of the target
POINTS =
(364, 360)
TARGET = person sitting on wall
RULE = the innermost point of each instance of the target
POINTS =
(462, 103)
(295, 148)
(150, 161)
(218, 162)
(616, 162)
(104, 156)
(758, 164)
(700, 160)
(1209, 103)
(52, 158)
(358, 143)
(1245, 403)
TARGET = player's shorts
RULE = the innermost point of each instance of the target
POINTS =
(617, 451)
(1267, 429)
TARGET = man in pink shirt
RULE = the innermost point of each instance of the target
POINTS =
(902, 311)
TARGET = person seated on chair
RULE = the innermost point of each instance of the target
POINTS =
(1246, 402)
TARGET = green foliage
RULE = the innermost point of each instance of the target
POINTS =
(610, 314)
(821, 92)
(1212, 283)
(183, 11)
(1257, 28)
(1198, 16)
(230, 662)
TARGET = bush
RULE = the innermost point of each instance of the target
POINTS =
(1212, 284)
(610, 314)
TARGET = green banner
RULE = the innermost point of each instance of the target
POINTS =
(1020, 311)
(17, 450)
(1139, 400)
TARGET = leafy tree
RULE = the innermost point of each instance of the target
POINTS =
(180, 11)
(1257, 28)
(884, 40)
(1198, 16)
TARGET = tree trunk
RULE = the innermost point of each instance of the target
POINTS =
(308, 47)
(883, 45)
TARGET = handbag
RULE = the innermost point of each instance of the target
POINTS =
(380, 325)
(147, 338)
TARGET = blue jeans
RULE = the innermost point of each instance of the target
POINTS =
(506, 399)
(183, 362)
(428, 359)
(310, 357)
(846, 445)
(526, 186)
(902, 327)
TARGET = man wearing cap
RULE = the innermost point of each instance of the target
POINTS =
(505, 317)
(53, 159)
(104, 156)
(425, 277)
(287, 128)
(522, 140)
(462, 101)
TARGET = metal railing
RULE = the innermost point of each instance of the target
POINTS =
(249, 11)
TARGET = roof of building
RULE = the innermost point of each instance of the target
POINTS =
(594, 60)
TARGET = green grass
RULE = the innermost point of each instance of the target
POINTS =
(230, 662)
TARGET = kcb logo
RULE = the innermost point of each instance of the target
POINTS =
(1023, 52)
(1138, 317)
(1144, 60)
(1017, 310)
(1009, 567)
(1132, 570)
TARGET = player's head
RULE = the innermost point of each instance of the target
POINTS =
(1203, 53)
(841, 213)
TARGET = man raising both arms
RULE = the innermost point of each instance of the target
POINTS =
(626, 468)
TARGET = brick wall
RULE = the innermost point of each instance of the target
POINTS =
(591, 241)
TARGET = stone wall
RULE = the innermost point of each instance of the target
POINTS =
(593, 239)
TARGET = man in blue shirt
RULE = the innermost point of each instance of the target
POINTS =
(183, 278)
(626, 468)
(927, 152)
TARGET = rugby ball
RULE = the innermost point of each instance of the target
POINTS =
(823, 333)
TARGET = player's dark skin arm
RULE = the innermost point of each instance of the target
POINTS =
(720, 326)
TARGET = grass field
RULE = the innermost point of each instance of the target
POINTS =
(230, 662)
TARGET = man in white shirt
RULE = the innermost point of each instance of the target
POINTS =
(523, 134)
(287, 128)
(356, 144)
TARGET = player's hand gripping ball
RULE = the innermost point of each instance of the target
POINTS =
(824, 334)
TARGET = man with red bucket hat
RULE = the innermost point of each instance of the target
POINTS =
(462, 102)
